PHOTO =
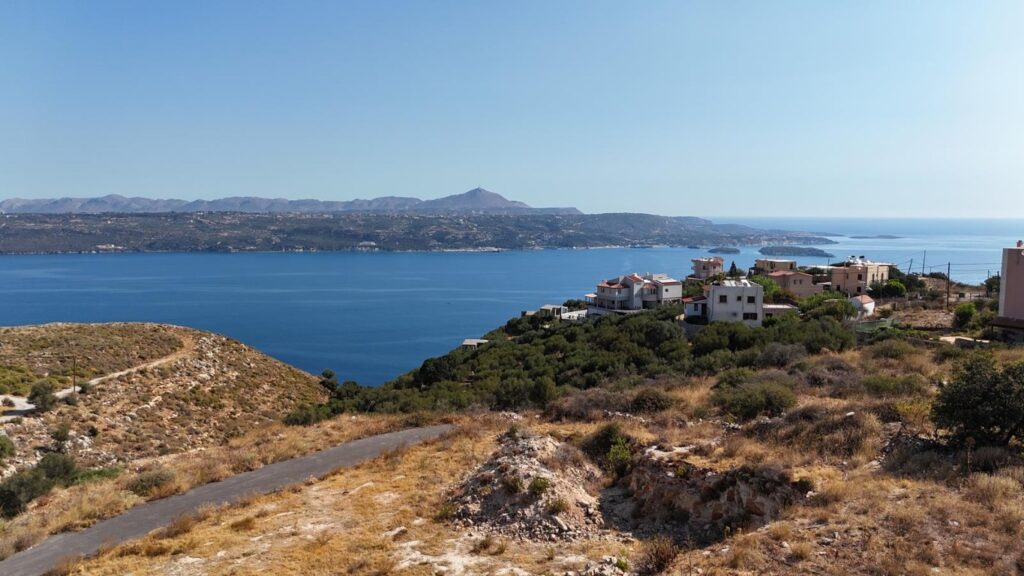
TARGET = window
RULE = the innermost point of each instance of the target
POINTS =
(723, 299)
(860, 276)
(751, 300)
(739, 298)
(750, 315)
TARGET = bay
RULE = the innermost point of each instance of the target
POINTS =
(373, 316)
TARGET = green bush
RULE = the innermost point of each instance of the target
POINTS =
(885, 385)
(42, 396)
(964, 314)
(650, 400)
(619, 457)
(17, 491)
(892, 349)
(538, 486)
(6, 447)
(748, 399)
(307, 414)
(982, 403)
(148, 482)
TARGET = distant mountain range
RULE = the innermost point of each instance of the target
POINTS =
(476, 201)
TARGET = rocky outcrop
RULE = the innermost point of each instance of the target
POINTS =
(533, 487)
(709, 503)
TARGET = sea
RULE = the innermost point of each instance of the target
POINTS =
(373, 316)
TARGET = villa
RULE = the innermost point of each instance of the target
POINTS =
(728, 301)
(769, 265)
(634, 292)
(704, 268)
(857, 274)
(800, 284)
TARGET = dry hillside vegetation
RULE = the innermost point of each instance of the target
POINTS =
(204, 391)
(48, 352)
(845, 476)
(180, 408)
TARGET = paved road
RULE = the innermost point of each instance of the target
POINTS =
(147, 517)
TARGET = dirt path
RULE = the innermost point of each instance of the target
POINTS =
(23, 407)
(142, 519)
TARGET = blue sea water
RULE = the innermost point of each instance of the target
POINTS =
(373, 316)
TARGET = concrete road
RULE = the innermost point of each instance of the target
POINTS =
(142, 519)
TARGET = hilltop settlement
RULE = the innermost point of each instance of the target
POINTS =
(849, 419)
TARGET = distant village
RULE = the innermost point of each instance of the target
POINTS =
(710, 293)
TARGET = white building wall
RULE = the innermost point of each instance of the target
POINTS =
(736, 301)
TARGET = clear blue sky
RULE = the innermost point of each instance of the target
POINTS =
(726, 108)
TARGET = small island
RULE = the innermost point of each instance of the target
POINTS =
(795, 251)
(724, 250)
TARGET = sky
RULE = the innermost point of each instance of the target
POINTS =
(904, 109)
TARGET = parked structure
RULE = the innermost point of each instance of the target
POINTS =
(736, 301)
(634, 292)
(800, 284)
(1011, 294)
(768, 265)
(776, 310)
(864, 305)
(695, 307)
(857, 274)
(704, 268)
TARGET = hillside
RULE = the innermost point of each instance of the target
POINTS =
(204, 390)
(657, 475)
(477, 200)
(276, 232)
(615, 446)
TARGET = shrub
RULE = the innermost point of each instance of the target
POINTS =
(619, 457)
(150, 482)
(600, 442)
(42, 396)
(556, 506)
(58, 467)
(884, 385)
(657, 555)
(6, 447)
(512, 483)
(651, 400)
(307, 415)
(828, 432)
(776, 355)
(753, 398)
(538, 486)
(963, 315)
(982, 402)
(586, 405)
(892, 349)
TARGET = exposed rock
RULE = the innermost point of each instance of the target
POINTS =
(533, 487)
(706, 503)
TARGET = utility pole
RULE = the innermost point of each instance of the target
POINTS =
(924, 261)
(949, 281)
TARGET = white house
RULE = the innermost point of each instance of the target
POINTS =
(864, 305)
(736, 301)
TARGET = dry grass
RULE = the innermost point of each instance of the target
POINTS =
(344, 523)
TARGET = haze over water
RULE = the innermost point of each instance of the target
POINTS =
(373, 316)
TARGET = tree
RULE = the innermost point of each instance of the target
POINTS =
(982, 403)
(771, 289)
(734, 272)
(42, 396)
(992, 285)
